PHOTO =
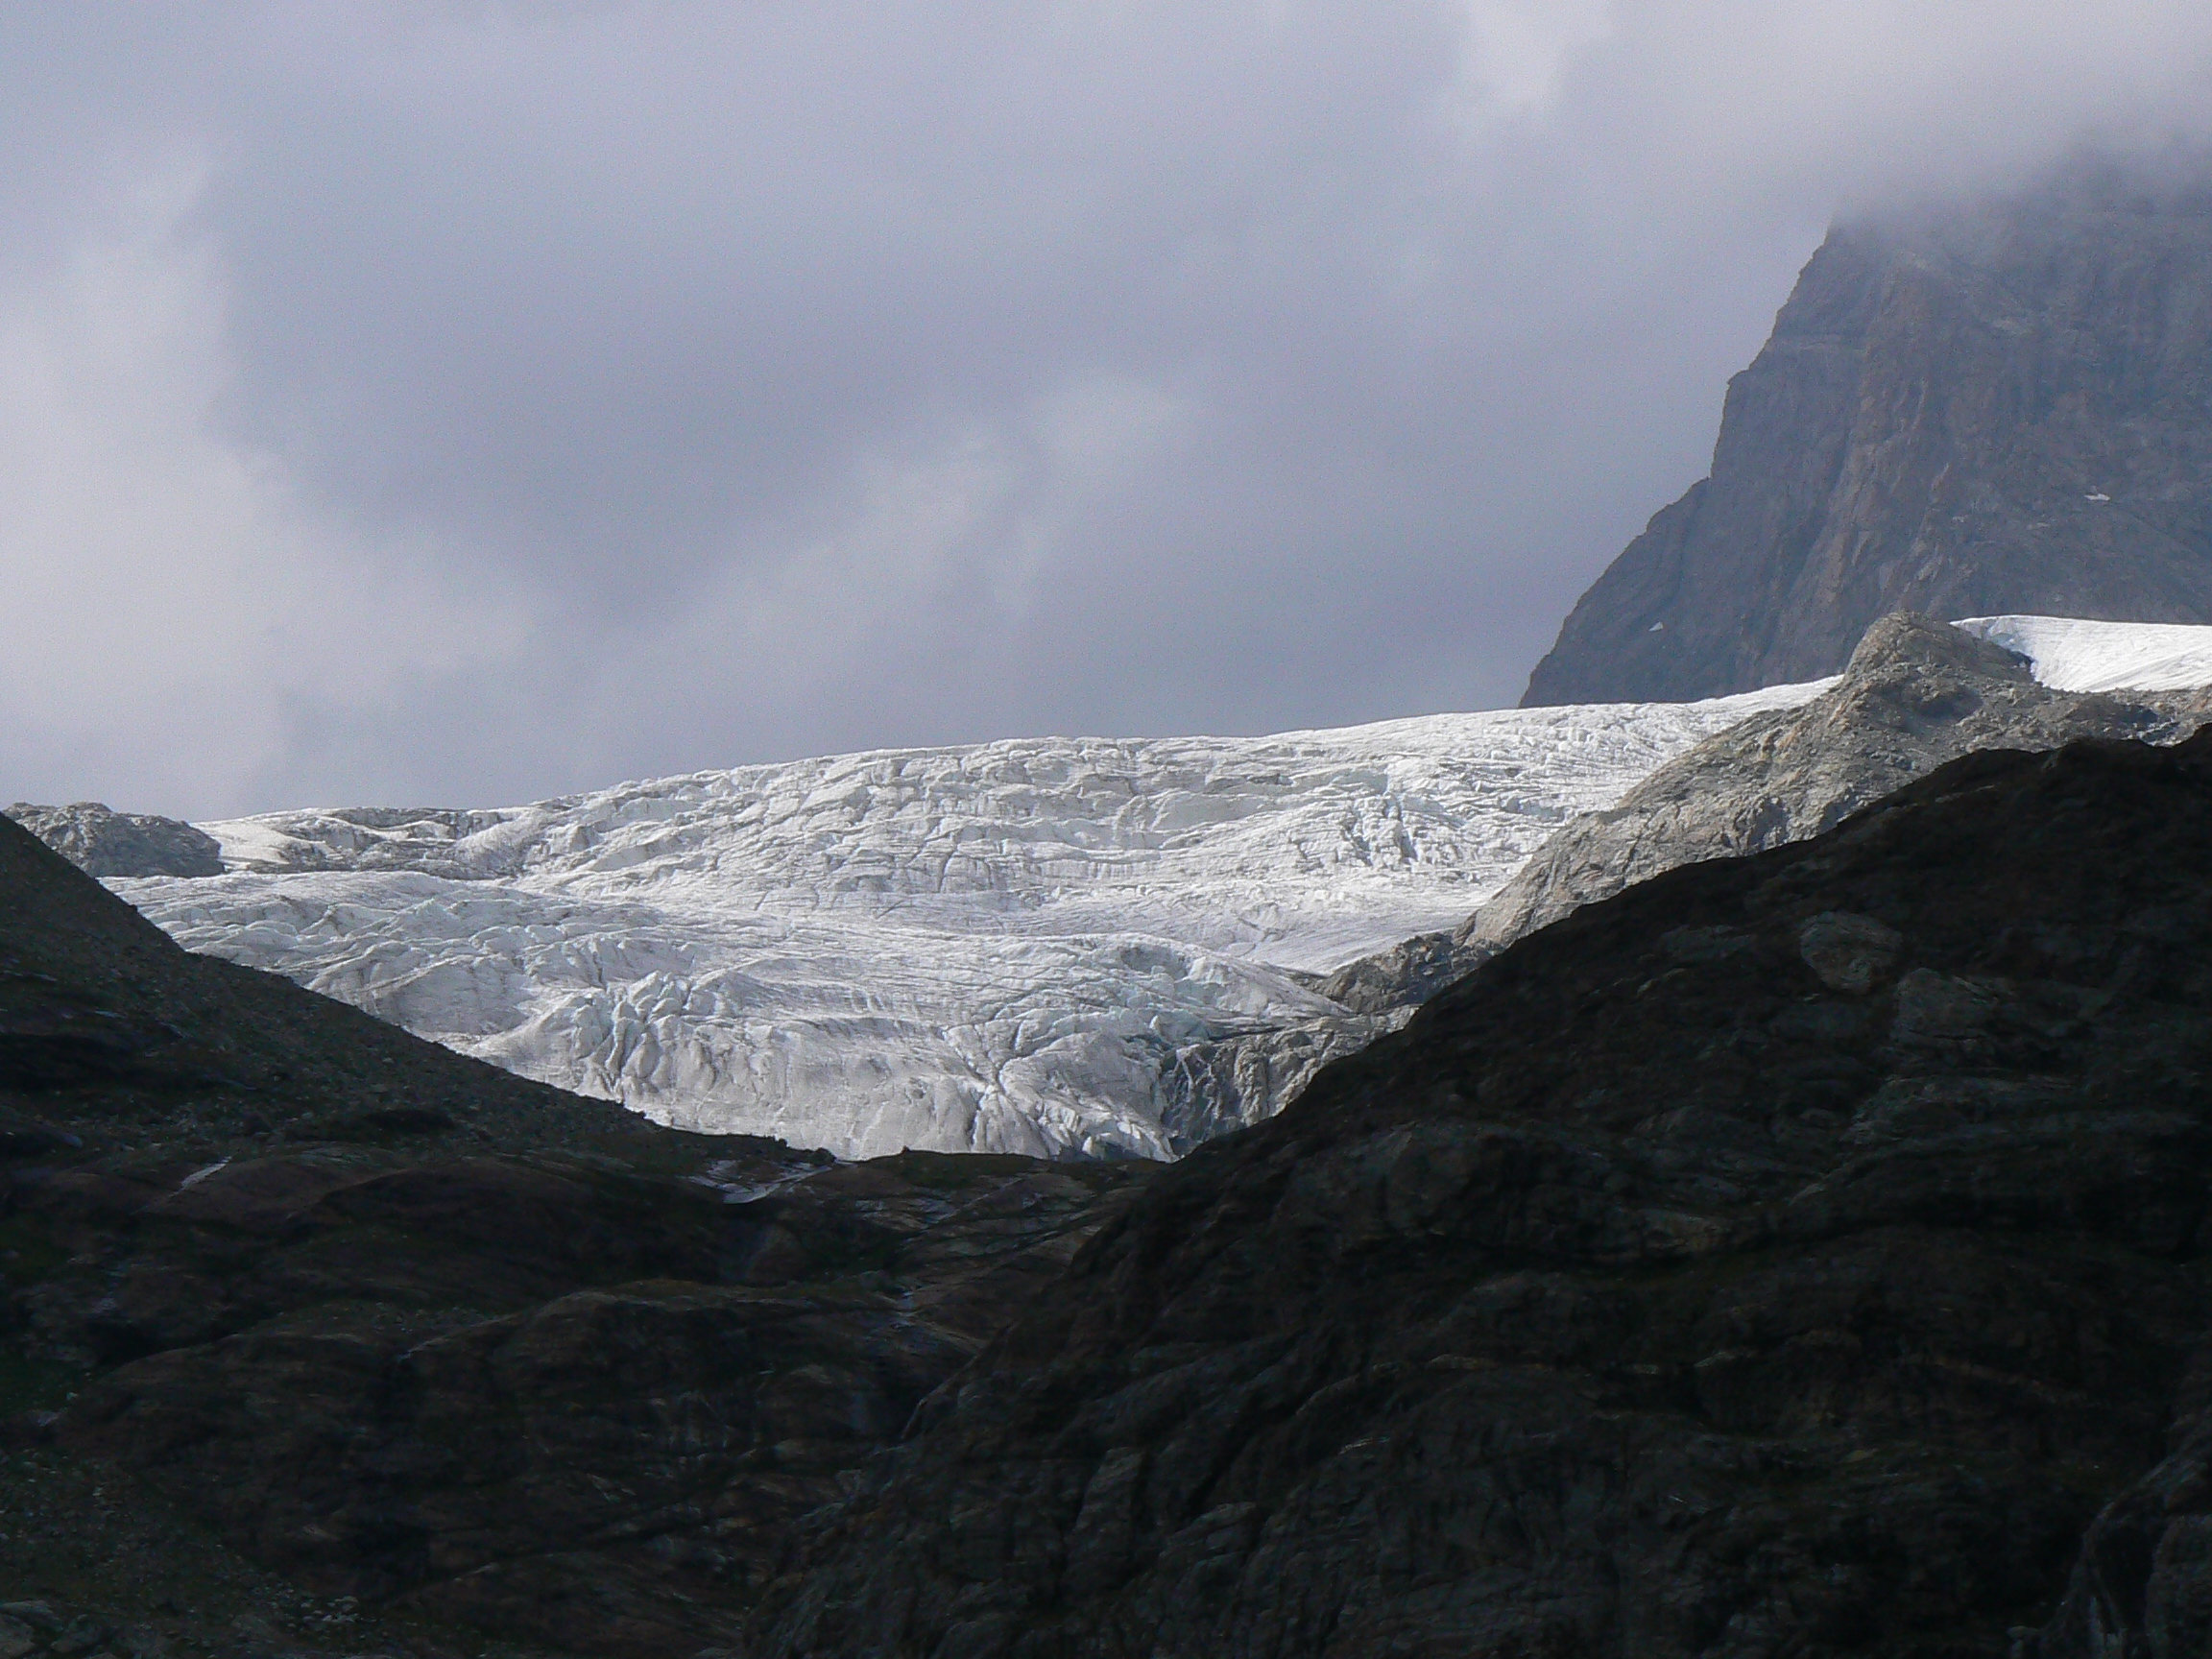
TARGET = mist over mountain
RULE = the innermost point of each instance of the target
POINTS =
(2000, 405)
(450, 403)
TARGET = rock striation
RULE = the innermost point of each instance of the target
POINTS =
(102, 842)
(1797, 1253)
(1994, 408)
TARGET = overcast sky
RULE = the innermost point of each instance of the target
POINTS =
(465, 404)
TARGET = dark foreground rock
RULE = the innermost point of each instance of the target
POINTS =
(307, 1323)
(101, 841)
(1990, 408)
(548, 1396)
(1798, 1254)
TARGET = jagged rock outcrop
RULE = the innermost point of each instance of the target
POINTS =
(1994, 408)
(101, 841)
(1230, 1082)
(1409, 973)
(1916, 694)
(1801, 1254)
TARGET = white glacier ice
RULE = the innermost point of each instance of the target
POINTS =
(1000, 947)
(1017, 946)
(2070, 654)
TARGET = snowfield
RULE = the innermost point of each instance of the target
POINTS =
(1003, 948)
(2073, 654)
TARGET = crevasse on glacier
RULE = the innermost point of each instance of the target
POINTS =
(1022, 946)
(1005, 946)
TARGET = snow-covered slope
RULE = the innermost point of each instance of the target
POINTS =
(2071, 655)
(1001, 947)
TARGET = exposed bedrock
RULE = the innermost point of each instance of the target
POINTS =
(101, 841)
(1793, 1255)
(1917, 693)
(1987, 409)
(1213, 1087)
(575, 1404)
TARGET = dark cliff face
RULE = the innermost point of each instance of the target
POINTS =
(1994, 410)
(1795, 1255)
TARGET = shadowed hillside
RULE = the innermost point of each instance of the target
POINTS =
(316, 1338)
(1801, 1254)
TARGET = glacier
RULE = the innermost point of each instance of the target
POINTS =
(1019, 945)
(1034, 946)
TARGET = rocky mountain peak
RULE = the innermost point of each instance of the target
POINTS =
(1996, 406)
(1909, 639)
(101, 841)
(1917, 694)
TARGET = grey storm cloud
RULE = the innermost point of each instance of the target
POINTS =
(476, 401)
